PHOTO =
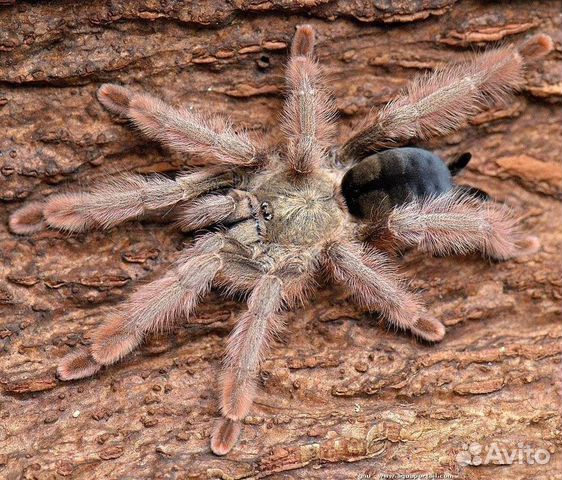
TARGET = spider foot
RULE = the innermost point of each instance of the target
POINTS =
(537, 47)
(28, 219)
(303, 42)
(528, 245)
(77, 364)
(429, 329)
(109, 345)
(225, 435)
(114, 97)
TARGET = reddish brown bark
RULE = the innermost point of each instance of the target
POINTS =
(341, 396)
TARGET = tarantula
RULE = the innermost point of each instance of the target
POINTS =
(278, 220)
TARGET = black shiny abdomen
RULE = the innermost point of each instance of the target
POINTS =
(393, 177)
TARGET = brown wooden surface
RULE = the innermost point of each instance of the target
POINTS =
(341, 396)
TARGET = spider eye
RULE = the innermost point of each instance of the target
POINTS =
(266, 211)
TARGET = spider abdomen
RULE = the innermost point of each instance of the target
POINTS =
(392, 177)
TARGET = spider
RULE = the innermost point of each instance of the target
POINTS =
(277, 220)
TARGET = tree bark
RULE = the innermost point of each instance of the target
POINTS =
(341, 396)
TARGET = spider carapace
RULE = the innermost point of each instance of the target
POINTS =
(276, 220)
(297, 204)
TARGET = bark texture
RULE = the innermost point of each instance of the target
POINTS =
(341, 397)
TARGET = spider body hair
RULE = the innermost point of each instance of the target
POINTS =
(280, 219)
